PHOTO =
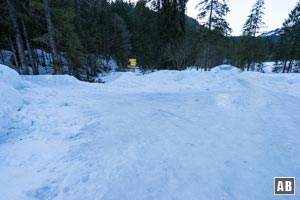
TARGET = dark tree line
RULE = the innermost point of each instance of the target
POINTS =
(287, 52)
(79, 36)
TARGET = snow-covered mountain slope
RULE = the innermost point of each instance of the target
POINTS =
(222, 134)
(273, 35)
(275, 32)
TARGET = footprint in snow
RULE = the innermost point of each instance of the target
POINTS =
(43, 193)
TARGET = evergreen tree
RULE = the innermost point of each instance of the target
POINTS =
(14, 17)
(171, 16)
(253, 47)
(5, 31)
(255, 20)
(214, 11)
(28, 28)
(288, 47)
(68, 42)
(145, 37)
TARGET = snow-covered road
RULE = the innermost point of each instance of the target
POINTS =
(167, 135)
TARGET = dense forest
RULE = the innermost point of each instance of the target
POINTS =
(80, 36)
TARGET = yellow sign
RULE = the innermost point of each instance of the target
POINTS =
(132, 62)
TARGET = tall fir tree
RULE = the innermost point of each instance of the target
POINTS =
(171, 22)
(252, 47)
(288, 46)
(254, 21)
(145, 37)
(213, 12)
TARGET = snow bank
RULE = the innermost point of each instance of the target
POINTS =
(289, 83)
(164, 81)
(10, 98)
(169, 80)
(53, 80)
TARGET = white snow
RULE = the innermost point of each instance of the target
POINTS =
(50, 80)
(222, 134)
(275, 32)
(10, 77)
(10, 99)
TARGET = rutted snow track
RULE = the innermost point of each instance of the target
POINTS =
(214, 135)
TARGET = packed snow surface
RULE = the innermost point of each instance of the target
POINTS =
(222, 134)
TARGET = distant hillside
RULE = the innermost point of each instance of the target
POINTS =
(192, 22)
(274, 34)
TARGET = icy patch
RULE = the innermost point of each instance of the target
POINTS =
(224, 101)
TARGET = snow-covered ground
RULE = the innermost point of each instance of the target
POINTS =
(166, 135)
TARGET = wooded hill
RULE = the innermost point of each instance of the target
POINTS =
(80, 34)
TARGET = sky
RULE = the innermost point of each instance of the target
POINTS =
(275, 13)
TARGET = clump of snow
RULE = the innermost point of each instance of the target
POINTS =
(268, 67)
(7, 55)
(10, 77)
(225, 68)
(113, 65)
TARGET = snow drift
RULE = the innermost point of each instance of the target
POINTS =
(52, 80)
(10, 77)
(10, 98)
(169, 80)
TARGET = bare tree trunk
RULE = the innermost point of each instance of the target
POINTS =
(43, 57)
(210, 15)
(2, 57)
(57, 68)
(36, 58)
(14, 53)
(284, 66)
(28, 46)
(13, 17)
(206, 60)
(248, 66)
(289, 69)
